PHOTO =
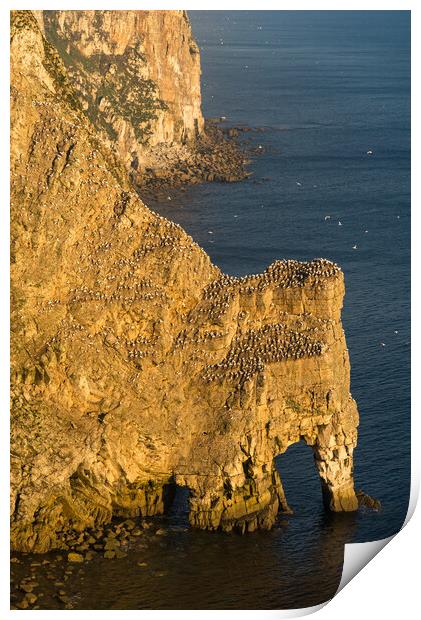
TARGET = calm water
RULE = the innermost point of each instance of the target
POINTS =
(328, 86)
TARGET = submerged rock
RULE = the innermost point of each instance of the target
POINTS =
(75, 557)
(109, 555)
(120, 554)
(31, 598)
(366, 501)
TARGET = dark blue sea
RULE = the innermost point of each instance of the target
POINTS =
(328, 87)
(332, 91)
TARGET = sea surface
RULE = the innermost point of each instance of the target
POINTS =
(332, 92)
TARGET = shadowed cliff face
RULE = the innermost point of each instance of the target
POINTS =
(137, 74)
(136, 363)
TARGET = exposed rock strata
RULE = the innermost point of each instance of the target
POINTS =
(137, 76)
(136, 363)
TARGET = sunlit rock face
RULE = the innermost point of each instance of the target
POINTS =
(136, 73)
(136, 363)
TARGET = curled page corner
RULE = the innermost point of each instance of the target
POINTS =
(358, 555)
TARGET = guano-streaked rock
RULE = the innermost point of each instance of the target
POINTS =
(137, 364)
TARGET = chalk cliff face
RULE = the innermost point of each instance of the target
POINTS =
(137, 364)
(137, 74)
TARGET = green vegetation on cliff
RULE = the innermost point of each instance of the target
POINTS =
(111, 85)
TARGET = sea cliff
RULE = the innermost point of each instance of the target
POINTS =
(137, 364)
(137, 77)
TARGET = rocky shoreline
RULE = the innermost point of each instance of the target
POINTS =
(50, 573)
(216, 156)
(50, 580)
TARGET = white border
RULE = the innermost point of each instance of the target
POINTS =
(389, 585)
